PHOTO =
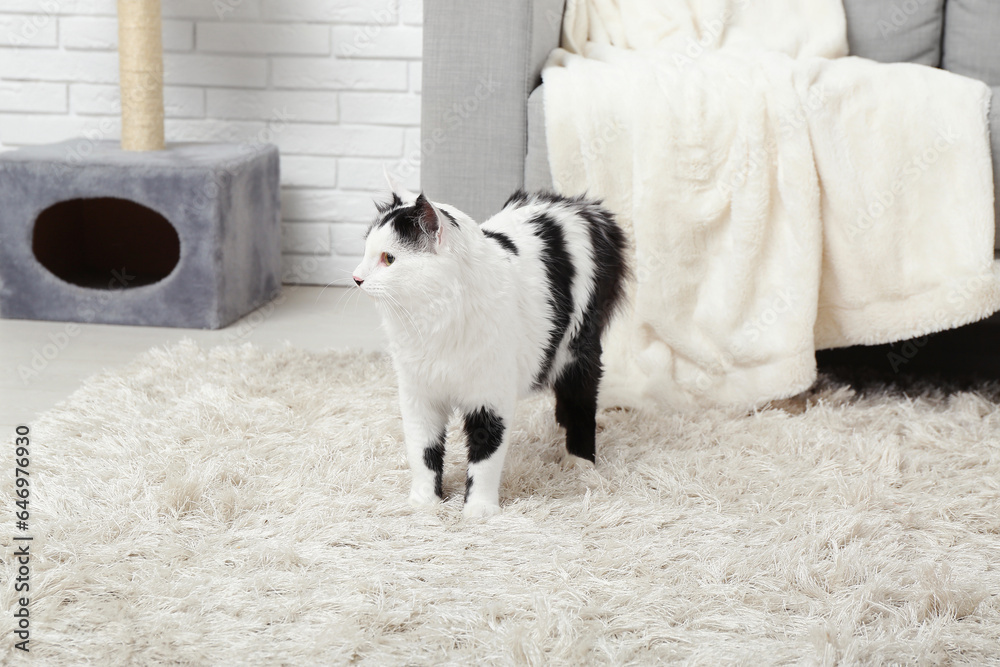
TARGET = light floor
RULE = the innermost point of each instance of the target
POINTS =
(41, 364)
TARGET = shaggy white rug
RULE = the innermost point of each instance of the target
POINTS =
(237, 506)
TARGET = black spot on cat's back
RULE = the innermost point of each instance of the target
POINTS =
(505, 242)
(559, 273)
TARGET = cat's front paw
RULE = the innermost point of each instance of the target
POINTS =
(479, 510)
(571, 462)
(422, 499)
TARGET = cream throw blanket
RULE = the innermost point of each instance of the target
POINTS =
(781, 198)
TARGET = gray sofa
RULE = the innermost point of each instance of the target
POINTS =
(482, 128)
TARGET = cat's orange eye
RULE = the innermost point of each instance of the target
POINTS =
(387, 258)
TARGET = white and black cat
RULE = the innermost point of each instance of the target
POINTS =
(480, 315)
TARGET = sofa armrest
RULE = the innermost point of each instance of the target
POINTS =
(481, 61)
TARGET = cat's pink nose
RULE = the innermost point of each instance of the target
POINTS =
(357, 280)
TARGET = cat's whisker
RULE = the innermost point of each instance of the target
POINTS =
(346, 293)
(323, 290)
(350, 273)
(405, 311)
(360, 294)
(391, 305)
(329, 284)
(401, 314)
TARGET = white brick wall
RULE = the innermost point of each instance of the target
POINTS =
(336, 82)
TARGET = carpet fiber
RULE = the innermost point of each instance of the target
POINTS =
(236, 506)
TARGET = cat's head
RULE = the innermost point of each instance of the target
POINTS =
(413, 247)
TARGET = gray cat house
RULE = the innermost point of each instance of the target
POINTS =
(188, 236)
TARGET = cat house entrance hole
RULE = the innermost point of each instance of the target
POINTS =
(105, 243)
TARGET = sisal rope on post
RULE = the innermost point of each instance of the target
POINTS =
(140, 56)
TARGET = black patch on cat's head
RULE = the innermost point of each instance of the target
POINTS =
(415, 226)
(405, 223)
(384, 207)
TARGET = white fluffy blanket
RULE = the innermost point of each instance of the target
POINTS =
(781, 198)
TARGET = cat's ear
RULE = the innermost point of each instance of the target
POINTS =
(431, 219)
(395, 188)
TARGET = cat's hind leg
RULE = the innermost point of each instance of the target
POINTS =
(486, 430)
(576, 404)
(424, 424)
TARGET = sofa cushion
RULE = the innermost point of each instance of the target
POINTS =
(971, 46)
(892, 31)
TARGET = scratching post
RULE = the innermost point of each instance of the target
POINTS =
(182, 235)
(140, 61)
